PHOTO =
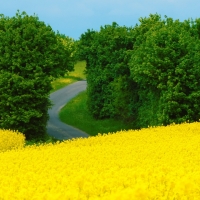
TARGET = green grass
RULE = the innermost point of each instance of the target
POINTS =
(75, 113)
(76, 75)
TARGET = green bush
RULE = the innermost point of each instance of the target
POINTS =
(31, 55)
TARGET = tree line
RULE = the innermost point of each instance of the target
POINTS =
(147, 75)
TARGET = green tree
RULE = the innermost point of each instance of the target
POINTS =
(31, 55)
(166, 66)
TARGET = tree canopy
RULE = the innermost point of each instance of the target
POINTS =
(31, 55)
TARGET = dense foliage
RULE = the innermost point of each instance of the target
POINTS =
(106, 54)
(147, 75)
(166, 65)
(149, 164)
(31, 55)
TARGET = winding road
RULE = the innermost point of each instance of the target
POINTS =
(55, 127)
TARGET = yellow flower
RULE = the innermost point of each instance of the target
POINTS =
(152, 163)
(11, 140)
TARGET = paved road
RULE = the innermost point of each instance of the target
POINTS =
(55, 127)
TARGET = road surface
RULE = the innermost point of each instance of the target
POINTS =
(55, 127)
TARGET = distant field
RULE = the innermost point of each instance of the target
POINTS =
(76, 75)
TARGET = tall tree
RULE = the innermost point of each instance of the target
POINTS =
(31, 55)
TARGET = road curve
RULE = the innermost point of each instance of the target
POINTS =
(55, 127)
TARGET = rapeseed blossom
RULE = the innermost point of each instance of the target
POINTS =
(152, 163)
(11, 140)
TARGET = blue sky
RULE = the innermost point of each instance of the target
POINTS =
(74, 17)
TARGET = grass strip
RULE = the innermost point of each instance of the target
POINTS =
(75, 113)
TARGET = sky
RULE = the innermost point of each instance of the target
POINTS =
(75, 17)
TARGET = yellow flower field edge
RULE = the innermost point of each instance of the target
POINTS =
(151, 163)
(11, 140)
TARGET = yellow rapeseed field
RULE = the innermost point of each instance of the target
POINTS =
(11, 140)
(161, 163)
